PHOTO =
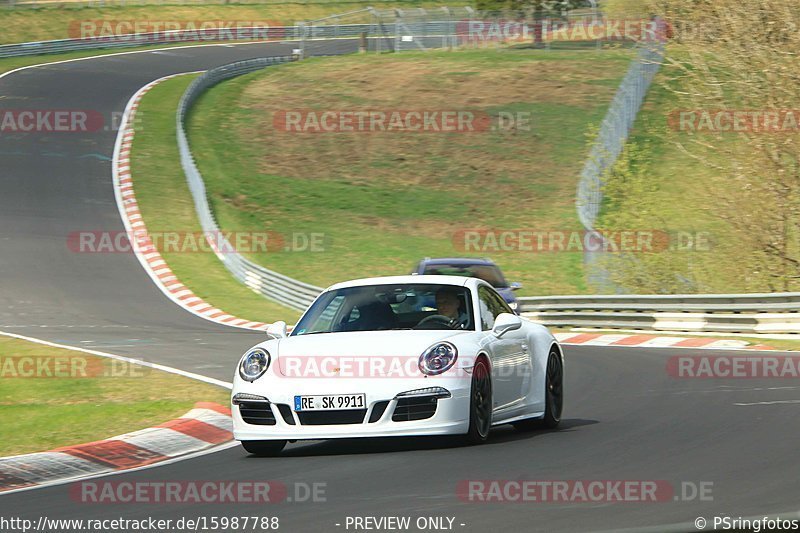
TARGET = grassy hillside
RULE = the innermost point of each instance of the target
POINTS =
(383, 200)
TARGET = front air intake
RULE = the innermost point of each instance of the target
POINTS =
(414, 408)
(257, 413)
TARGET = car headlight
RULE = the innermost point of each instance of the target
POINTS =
(513, 305)
(254, 364)
(438, 358)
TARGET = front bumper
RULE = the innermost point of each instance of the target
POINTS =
(451, 416)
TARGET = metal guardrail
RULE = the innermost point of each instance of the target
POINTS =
(273, 285)
(724, 313)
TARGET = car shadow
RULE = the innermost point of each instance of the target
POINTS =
(374, 445)
(507, 433)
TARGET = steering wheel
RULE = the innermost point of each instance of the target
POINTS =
(438, 319)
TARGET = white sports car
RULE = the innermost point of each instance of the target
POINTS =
(398, 356)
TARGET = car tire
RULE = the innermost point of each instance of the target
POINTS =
(264, 448)
(554, 391)
(480, 404)
(553, 397)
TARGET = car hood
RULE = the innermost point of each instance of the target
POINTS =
(364, 343)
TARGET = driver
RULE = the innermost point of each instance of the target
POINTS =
(448, 304)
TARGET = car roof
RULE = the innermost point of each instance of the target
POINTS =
(460, 281)
(458, 261)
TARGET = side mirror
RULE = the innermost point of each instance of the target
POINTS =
(515, 286)
(504, 323)
(277, 330)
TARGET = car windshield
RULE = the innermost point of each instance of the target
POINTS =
(387, 307)
(488, 273)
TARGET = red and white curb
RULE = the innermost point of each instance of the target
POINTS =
(206, 426)
(655, 341)
(153, 263)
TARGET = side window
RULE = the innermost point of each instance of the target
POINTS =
(487, 309)
(500, 305)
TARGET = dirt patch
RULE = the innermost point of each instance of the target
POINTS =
(435, 160)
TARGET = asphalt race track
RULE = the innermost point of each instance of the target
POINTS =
(53, 184)
(625, 418)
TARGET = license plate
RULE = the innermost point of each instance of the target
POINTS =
(330, 402)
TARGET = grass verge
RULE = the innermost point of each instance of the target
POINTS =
(86, 398)
(166, 205)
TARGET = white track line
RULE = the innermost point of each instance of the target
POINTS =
(775, 402)
(146, 51)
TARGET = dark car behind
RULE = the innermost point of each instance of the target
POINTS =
(484, 269)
